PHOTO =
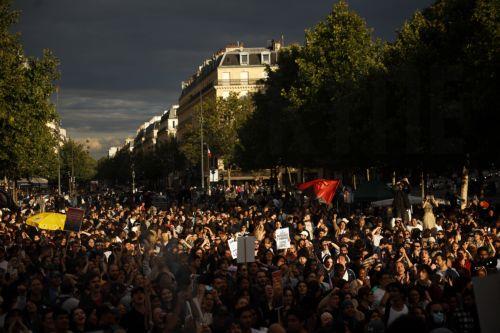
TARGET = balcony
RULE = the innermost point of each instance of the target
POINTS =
(238, 82)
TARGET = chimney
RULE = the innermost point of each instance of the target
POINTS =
(276, 45)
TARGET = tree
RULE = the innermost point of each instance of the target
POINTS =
(312, 102)
(27, 145)
(76, 161)
(339, 53)
(272, 135)
(222, 119)
(443, 75)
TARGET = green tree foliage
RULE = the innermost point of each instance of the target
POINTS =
(116, 170)
(222, 119)
(76, 160)
(427, 100)
(272, 135)
(443, 80)
(27, 145)
(149, 166)
(309, 99)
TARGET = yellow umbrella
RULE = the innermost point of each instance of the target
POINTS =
(47, 221)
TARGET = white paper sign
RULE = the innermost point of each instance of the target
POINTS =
(282, 238)
(246, 249)
(107, 254)
(487, 294)
(309, 228)
(233, 246)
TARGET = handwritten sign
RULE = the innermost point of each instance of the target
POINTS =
(282, 238)
(233, 247)
(74, 219)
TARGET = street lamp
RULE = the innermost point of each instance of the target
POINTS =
(201, 143)
(133, 181)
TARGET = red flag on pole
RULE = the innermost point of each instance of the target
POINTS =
(323, 189)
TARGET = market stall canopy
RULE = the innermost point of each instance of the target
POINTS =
(372, 191)
(413, 201)
(35, 181)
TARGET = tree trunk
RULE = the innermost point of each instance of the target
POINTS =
(465, 187)
(280, 178)
(14, 191)
(354, 185)
(393, 178)
(422, 185)
(229, 176)
(289, 176)
(367, 174)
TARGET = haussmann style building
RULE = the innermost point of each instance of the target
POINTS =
(234, 69)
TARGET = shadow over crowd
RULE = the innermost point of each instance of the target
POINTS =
(135, 267)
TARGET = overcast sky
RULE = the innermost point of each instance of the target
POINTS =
(122, 61)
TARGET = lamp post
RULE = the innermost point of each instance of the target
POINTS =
(58, 171)
(201, 143)
(133, 181)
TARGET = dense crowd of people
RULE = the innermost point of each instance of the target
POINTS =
(135, 267)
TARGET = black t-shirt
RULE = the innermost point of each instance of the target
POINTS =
(134, 321)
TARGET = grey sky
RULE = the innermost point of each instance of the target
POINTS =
(122, 61)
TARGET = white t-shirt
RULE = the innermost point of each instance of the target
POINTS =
(394, 314)
(378, 294)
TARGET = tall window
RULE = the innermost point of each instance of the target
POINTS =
(243, 58)
(265, 58)
(225, 78)
(244, 77)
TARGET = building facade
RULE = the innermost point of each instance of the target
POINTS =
(112, 151)
(151, 134)
(168, 124)
(234, 69)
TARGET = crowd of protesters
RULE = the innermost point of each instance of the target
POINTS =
(135, 267)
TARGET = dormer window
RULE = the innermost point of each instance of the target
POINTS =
(265, 58)
(243, 58)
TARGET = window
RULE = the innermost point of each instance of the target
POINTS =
(244, 77)
(243, 58)
(173, 124)
(265, 58)
(225, 79)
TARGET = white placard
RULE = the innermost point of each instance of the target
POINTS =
(282, 238)
(107, 254)
(246, 249)
(487, 294)
(309, 228)
(233, 246)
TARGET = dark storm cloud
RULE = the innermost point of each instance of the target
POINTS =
(122, 61)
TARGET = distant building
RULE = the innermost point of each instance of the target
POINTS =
(168, 124)
(140, 137)
(234, 69)
(59, 132)
(150, 134)
(129, 144)
(112, 152)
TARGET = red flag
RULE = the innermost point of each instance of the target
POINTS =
(209, 153)
(323, 189)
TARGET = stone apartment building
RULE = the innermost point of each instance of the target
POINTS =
(234, 69)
